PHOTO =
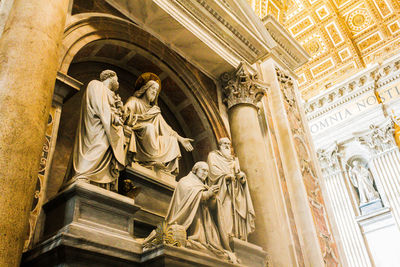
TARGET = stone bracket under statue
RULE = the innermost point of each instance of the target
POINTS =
(85, 225)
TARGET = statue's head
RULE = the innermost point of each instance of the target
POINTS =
(201, 169)
(148, 85)
(152, 90)
(224, 145)
(110, 78)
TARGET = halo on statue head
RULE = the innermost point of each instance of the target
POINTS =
(143, 79)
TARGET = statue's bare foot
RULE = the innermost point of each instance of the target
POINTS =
(158, 165)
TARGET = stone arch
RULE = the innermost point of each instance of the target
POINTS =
(91, 29)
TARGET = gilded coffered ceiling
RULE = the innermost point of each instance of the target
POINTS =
(341, 36)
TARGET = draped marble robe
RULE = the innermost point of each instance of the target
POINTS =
(98, 153)
(153, 141)
(190, 209)
(362, 179)
(238, 217)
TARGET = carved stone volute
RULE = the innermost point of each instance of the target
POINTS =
(330, 160)
(242, 87)
(379, 138)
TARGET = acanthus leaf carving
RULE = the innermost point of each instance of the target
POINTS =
(379, 138)
(330, 159)
(242, 87)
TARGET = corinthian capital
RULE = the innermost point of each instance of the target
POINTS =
(330, 159)
(242, 87)
(380, 138)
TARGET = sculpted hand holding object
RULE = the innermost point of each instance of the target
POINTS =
(236, 204)
(193, 206)
(98, 153)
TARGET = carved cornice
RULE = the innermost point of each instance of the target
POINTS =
(242, 87)
(229, 26)
(215, 23)
(352, 88)
(286, 48)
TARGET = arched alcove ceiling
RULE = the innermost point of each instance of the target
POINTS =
(189, 94)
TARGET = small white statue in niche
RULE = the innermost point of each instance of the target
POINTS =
(362, 180)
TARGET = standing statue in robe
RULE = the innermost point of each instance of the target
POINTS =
(153, 142)
(361, 179)
(98, 153)
(237, 207)
(195, 207)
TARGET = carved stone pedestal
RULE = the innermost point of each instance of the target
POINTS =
(249, 254)
(382, 234)
(371, 206)
(156, 190)
(86, 225)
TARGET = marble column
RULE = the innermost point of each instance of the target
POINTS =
(334, 175)
(384, 163)
(242, 92)
(298, 165)
(29, 49)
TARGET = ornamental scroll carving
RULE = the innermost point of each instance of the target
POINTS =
(242, 87)
(39, 194)
(379, 138)
(330, 160)
(310, 179)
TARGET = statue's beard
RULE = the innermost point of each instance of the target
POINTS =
(114, 85)
(226, 152)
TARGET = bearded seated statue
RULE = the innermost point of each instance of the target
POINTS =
(152, 142)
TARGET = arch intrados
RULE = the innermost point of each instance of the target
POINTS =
(146, 54)
(88, 28)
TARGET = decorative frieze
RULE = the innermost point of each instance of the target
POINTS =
(242, 87)
(350, 90)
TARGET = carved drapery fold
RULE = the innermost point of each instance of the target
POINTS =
(242, 87)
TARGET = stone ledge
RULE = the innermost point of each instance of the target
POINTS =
(249, 254)
(158, 178)
(170, 256)
(83, 251)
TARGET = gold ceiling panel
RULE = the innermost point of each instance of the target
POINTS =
(341, 36)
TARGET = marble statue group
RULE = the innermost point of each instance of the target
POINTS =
(110, 134)
(212, 203)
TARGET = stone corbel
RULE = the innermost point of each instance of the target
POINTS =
(242, 87)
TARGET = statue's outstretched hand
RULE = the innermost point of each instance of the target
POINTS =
(186, 143)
